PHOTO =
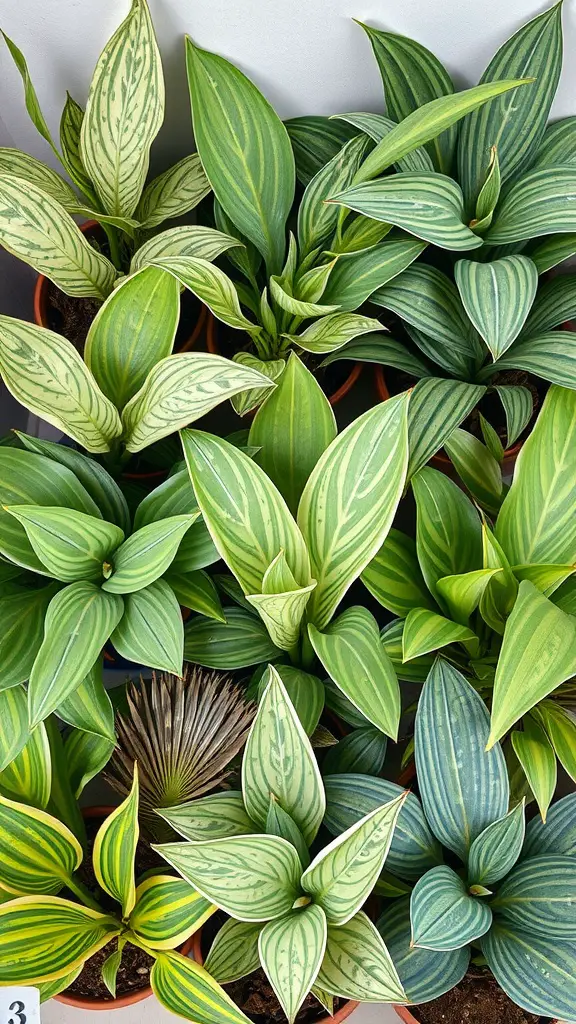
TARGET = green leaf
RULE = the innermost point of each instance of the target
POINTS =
(46, 374)
(187, 990)
(315, 140)
(30, 97)
(558, 145)
(560, 724)
(557, 835)
(110, 968)
(362, 750)
(249, 520)
(477, 468)
(554, 304)
(173, 497)
(124, 112)
(318, 220)
(444, 915)
(515, 122)
(217, 816)
(306, 694)
(351, 651)
(234, 952)
(331, 332)
(70, 129)
(280, 823)
(357, 964)
(536, 755)
(233, 126)
(292, 429)
(518, 404)
(146, 555)
(14, 715)
(394, 576)
(31, 777)
(272, 369)
(464, 592)
(291, 952)
(377, 126)
(540, 203)
(195, 590)
(497, 297)
(187, 240)
(538, 897)
(39, 854)
(21, 632)
(437, 406)
(495, 851)
(341, 877)
(89, 707)
(546, 578)
(115, 849)
(463, 788)
(241, 641)
(279, 763)
(167, 911)
(173, 193)
(425, 974)
(71, 545)
(22, 165)
(49, 989)
(488, 195)
(549, 355)
(357, 275)
(211, 285)
(79, 620)
(252, 878)
(297, 307)
(151, 631)
(536, 972)
(426, 631)
(86, 755)
(552, 251)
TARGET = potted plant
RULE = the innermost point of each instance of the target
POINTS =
(296, 915)
(107, 160)
(478, 186)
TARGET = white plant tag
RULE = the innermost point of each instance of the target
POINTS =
(19, 1004)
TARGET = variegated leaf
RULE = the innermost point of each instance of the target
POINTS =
(234, 952)
(71, 545)
(241, 641)
(495, 851)
(151, 631)
(146, 554)
(173, 193)
(537, 972)
(291, 952)
(187, 990)
(357, 964)
(39, 854)
(497, 296)
(115, 849)
(186, 240)
(217, 816)
(167, 911)
(444, 914)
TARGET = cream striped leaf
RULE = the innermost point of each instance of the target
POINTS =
(151, 631)
(331, 332)
(497, 297)
(538, 897)
(70, 129)
(186, 240)
(79, 620)
(538, 759)
(173, 497)
(132, 331)
(43, 938)
(488, 195)
(234, 952)
(89, 707)
(291, 952)
(217, 816)
(22, 165)
(21, 632)
(357, 964)
(297, 307)
(540, 203)
(30, 777)
(197, 591)
(477, 468)
(38, 854)
(146, 555)
(306, 693)
(341, 877)
(552, 251)
(249, 401)
(115, 848)
(248, 519)
(550, 355)
(318, 220)
(357, 275)
(537, 972)
(546, 578)
(426, 631)
(380, 349)
(279, 763)
(444, 915)
(124, 112)
(437, 407)
(71, 545)
(173, 193)
(37, 229)
(536, 522)
(251, 878)
(167, 911)
(495, 851)
(361, 233)
(350, 499)
(14, 718)
(518, 404)
(186, 989)
(352, 653)
(283, 613)
(377, 126)
(180, 389)
(241, 641)
(394, 576)
(315, 140)
(245, 151)
(48, 376)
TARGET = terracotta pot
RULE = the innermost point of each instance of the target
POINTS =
(340, 1015)
(441, 461)
(409, 1018)
(85, 1003)
(214, 347)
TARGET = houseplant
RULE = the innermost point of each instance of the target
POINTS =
(296, 915)
(496, 594)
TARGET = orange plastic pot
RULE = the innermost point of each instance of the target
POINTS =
(86, 1003)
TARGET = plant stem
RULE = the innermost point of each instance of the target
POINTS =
(83, 894)
(307, 653)
(113, 242)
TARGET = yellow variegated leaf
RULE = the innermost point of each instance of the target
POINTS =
(115, 848)
(187, 990)
(38, 854)
(211, 285)
(282, 603)
(167, 911)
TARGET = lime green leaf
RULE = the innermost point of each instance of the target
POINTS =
(241, 641)
(151, 631)
(173, 193)
(89, 707)
(462, 593)
(477, 468)
(146, 555)
(31, 777)
(210, 284)
(167, 911)
(85, 755)
(394, 576)
(495, 851)
(331, 332)
(560, 725)
(497, 297)
(536, 755)
(115, 848)
(425, 631)
(71, 545)
(546, 578)
(39, 855)
(488, 195)
(14, 716)
(291, 952)
(187, 990)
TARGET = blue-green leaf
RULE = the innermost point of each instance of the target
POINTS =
(443, 913)
(425, 973)
(495, 851)
(537, 972)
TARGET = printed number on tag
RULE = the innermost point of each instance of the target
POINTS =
(19, 1005)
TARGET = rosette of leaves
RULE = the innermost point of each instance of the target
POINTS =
(184, 732)
(491, 584)
(296, 914)
(105, 151)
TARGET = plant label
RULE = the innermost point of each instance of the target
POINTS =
(19, 1004)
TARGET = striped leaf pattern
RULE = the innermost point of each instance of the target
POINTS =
(233, 126)
(142, 314)
(47, 375)
(477, 468)
(186, 240)
(86, 754)
(540, 203)
(538, 897)
(250, 400)
(49, 989)
(357, 964)
(558, 144)
(22, 165)
(550, 355)
(167, 911)
(463, 788)
(37, 229)
(515, 122)
(495, 851)
(52, 936)
(380, 349)
(187, 990)
(14, 717)
(537, 972)
(21, 632)
(437, 407)
(315, 140)
(357, 275)
(426, 631)
(552, 251)
(241, 641)
(89, 707)
(318, 220)
(497, 297)
(115, 848)
(280, 823)
(71, 545)
(425, 974)
(350, 500)
(180, 389)
(394, 576)
(560, 725)
(173, 497)
(444, 916)
(173, 193)
(151, 631)
(341, 877)
(234, 952)
(217, 816)
(124, 113)
(197, 591)
(429, 206)
(31, 777)
(39, 854)
(279, 763)
(248, 518)
(331, 332)
(251, 878)
(554, 304)
(362, 750)
(291, 952)
(146, 555)
(377, 126)
(557, 835)
(463, 593)
(518, 406)
(298, 307)
(79, 620)
(210, 284)
(70, 129)
(537, 757)
(352, 653)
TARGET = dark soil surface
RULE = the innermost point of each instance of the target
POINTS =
(478, 999)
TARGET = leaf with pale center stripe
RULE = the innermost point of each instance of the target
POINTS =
(538, 897)
(357, 275)
(173, 193)
(38, 854)
(21, 632)
(23, 165)
(550, 356)
(315, 140)
(394, 576)
(497, 296)
(560, 725)
(552, 251)
(167, 911)
(554, 304)
(115, 849)
(357, 964)
(71, 545)
(186, 989)
(14, 718)
(443, 913)
(217, 816)
(437, 407)
(330, 332)
(318, 220)
(241, 641)
(89, 707)
(518, 404)
(538, 759)
(31, 777)
(377, 126)
(151, 631)
(146, 555)
(426, 631)
(477, 468)
(291, 952)
(187, 240)
(557, 835)
(539, 203)
(211, 285)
